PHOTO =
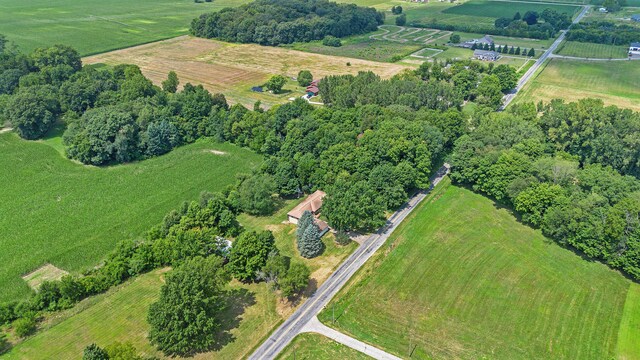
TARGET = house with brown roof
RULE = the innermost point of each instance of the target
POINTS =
(312, 203)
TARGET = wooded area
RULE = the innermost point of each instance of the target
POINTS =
(273, 22)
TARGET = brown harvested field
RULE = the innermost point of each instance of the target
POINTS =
(233, 69)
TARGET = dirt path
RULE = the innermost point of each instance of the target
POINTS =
(5, 130)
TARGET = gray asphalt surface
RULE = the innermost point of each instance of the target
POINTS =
(295, 324)
(532, 70)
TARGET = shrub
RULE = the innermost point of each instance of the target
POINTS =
(342, 238)
(331, 41)
(305, 78)
(24, 326)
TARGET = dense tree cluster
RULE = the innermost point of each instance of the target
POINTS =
(527, 26)
(604, 32)
(114, 115)
(274, 22)
(290, 278)
(554, 172)
(379, 154)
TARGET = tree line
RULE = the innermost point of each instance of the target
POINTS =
(274, 22)
(604, 32)
(545, 164)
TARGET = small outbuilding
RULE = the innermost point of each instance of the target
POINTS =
(486, 55)
(635, 17)
(634, 50)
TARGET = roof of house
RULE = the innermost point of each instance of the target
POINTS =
(312, 203)
(486, 40)
(313, 89)
(485, 53)
(323, 226)
(635, 44)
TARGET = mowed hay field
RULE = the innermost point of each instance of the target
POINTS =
(233, 69)
(56, 211)
(461, 278)
(615, 82)
(312, 346)
(94, 26)
(593, 51)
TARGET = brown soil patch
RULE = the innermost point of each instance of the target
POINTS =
(47, 272)
(233, 69)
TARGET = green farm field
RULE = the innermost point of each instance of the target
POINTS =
(593, 51)
(362, 47)
(60, 212)
(615, 82)
(478, 12)
(312, 346)
(462, 278)
(94, 26)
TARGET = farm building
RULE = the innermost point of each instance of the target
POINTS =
(483, 40)
(312, 203)
(603, 10)
(635, 17)
(486, 55)
(312, 89)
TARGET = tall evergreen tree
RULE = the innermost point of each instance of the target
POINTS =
(303, 223)
(309, 244)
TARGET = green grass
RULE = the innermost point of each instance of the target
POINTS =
(362, 47)
(462, 278)
(590, 50)
(71, 215)
(94, 26)
(477, 12)
(312, 346)
(120, 315)
(628, 346)
(497, 9)
(615, 82)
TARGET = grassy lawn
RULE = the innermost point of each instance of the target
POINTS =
(120, 315)
(233, 69)
(590, 50)
(615, 82)
(462, 278)
(312, 346)
(94, 26)
(60, 212)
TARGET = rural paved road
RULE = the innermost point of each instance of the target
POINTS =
(296, 323)
(532, 70)
(314, 325)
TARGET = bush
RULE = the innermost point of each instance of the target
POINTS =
(94, 352)
(276, 83)
(342, 238)
(295, 281)
(331, 41)
(401, 20)
(25, 326)
(454, 39)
